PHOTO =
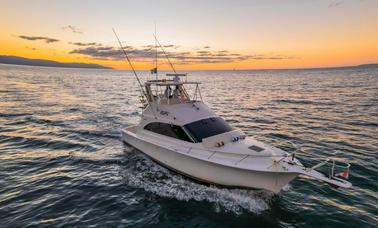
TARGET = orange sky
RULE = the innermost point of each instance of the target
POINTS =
(212, 35)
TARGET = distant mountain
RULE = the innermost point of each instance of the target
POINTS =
(371, 65)
(47, 63)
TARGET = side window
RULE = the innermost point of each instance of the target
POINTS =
(169, 130)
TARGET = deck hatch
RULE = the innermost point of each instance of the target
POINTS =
(256, 148)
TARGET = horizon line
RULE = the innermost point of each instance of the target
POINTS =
(374, 64)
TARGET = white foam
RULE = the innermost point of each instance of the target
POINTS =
(286, 188)
(145, 174)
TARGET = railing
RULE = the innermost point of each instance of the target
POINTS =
(334, 170)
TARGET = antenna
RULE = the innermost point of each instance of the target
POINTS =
(166, 56)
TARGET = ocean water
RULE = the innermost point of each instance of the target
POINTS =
(62, 162)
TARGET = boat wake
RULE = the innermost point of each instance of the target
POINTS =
(141, 172)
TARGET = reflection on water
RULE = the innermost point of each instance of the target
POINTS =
(62, 161)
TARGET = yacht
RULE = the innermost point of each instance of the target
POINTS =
(181, 133)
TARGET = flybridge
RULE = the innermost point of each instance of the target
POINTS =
(170, 91)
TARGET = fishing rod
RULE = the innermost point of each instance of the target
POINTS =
(166, 56)
(141, 90)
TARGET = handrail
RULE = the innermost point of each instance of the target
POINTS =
(331, 170)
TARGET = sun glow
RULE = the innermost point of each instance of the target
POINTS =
(242, 39)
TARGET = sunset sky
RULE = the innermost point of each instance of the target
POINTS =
(197, 34)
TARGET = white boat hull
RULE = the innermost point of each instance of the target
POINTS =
(210, 172)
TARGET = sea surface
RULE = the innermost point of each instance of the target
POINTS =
(63, 164)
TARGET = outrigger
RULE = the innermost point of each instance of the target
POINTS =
(183, 134)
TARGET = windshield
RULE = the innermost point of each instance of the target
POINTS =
(207, 127)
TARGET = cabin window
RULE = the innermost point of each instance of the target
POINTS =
(207, 127)
(169, 130)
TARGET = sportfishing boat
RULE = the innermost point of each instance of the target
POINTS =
(181, 133)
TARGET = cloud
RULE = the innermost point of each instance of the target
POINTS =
(164, 46)
(85, 44)
(31, 48)
(34, 38)
(336, 3)
(203, 53)
(99, 52)
(178, 57)
(171, 46)
(206, 47)
(72, 28)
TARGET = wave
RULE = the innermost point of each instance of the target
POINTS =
(304, 102)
